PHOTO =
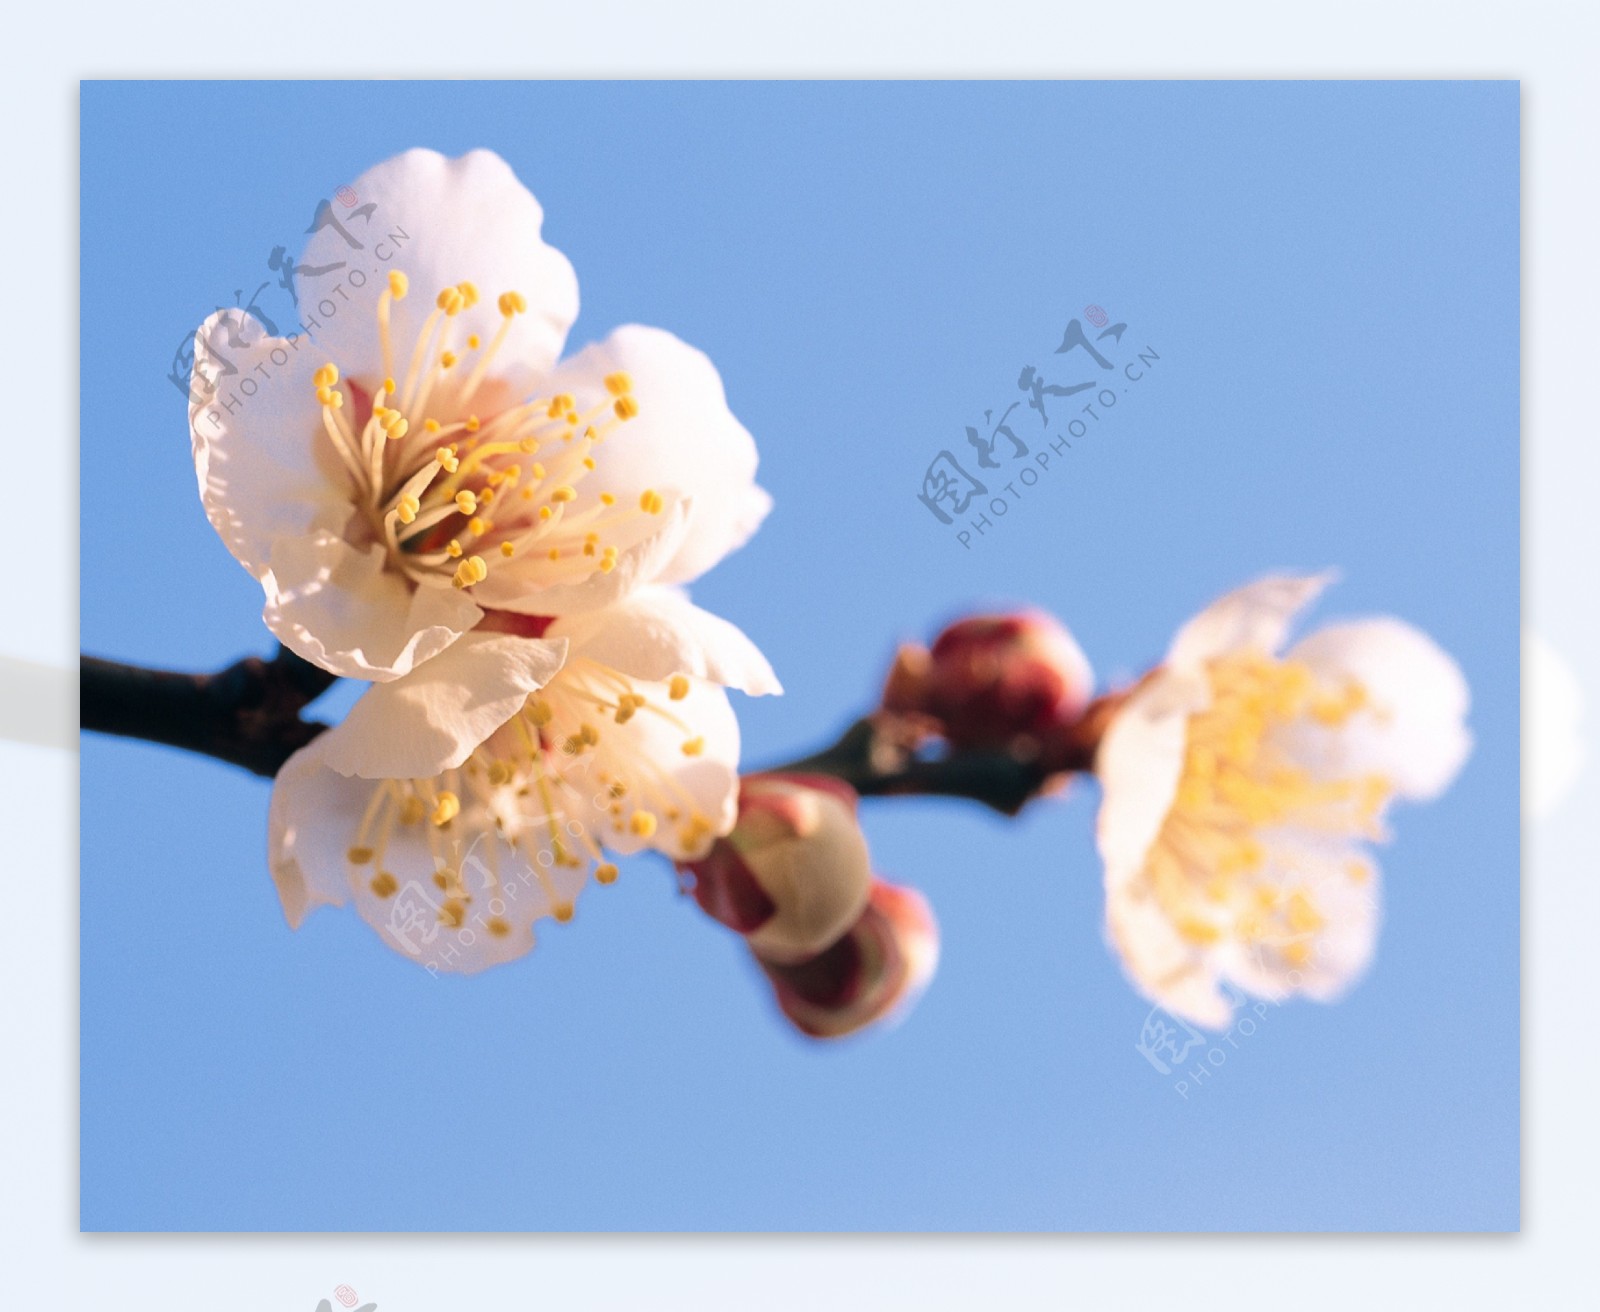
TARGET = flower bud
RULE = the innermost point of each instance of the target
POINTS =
(879, 967)
(793, 875)
(996, 682)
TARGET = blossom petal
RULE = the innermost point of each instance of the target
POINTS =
(706, 783)
(1139, 763)
(657, 632)
(445, 221)
(485, 919)
(341, 609)
(1163, 966)
(1256, 616)
(1415, 734)
(684, 438)
(264, 466)
(436, 716)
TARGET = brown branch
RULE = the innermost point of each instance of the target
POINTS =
(247, 714)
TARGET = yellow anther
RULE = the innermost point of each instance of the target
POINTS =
(469, 294)
(446, 359)
(498, 927)
(545, 512)
(528, 446)
(396, 428)
(472, 424)
(326, 376)
(512, 303)
(589, 734)
(430, 425)
(452, 913)
(406, 511)
(446, 456)
(606, 874)
(412, 810)
(472, 342)
(606, 499)
(540, 712)
(642, 823)
(329, 397)
(388, 386)
(562, 911)
(478, 526)
(507, 550)
(564, 493)
(651, 502)
(446, 807)
(588, 462)
(384, 884)
(588, 548)
(554, 553)
(625, 407)
(678, 687)
(694, 747)
(466, 502)
(451, 301)
(453, 549)
(359, 856)
(619, 384)
(471, 570)
(536, 469)
(486, 496)
(399, 284)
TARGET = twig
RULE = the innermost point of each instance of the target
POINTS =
(247, 714)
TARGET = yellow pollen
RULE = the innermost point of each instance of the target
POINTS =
(466, 502)
(359, 856)
(562, 911)
(498, 927)
(399, 285)
(384, 884)
(507, 550)
(472, 342)
(447, 359)
(430, 425)
(606, 874)
(326, 376)
(606, 499)
(625, 407)
(694, 747)
(651, 502)
(564, 493)
(541, 713)
(469, 294)
(512, 303)
(471, 570)
(446, 807)
(451, 302)
(388, 386)
(406, 511)
(678, 687)
(619, 384)
(642, 823)
(453, 549)
(446, 456)
(472, 423)
(452, 913)
(478, 526)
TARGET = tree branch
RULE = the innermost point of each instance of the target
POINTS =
(247, 714)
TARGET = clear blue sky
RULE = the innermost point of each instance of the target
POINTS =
(1329, 274)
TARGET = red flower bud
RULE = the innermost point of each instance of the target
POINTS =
(879, 967)
(1013, 683)
(793, 874)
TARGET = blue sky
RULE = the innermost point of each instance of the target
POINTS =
(1328, 273)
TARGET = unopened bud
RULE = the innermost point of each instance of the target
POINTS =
(996, 682)
(794, 872)
(877, 969)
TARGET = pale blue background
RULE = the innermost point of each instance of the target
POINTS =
(1329, 272)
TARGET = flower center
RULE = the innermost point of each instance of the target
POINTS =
(452, 474)
(1243, 796)
(542, 784)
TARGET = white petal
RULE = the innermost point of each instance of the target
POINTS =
(1417, 735)
(447, 221)
(1162, 965)
(657, 632)
(1554, 711)
(1254, 617)
(261, 473)
(316, 815)
(1139, 763)
(707, 783)
(515, 585)
(1329, 958)
(435, 717)
(684, 438)
(341, 609)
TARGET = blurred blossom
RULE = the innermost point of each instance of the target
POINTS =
(1555, 707)
(1016, 682)
(874, 973)
(793, 873)
(423, 458)
(1242, 790)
